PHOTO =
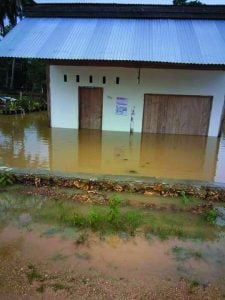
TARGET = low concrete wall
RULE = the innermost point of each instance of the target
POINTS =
(145, 185)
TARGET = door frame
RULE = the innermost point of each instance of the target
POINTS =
(79, 106)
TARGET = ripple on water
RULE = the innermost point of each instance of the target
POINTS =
(28, 142)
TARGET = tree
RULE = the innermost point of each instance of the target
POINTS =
(186, 2)
(11, 10)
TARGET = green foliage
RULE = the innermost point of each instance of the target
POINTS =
(26, 104)
(188, 3)
(187, 200)
(132, 220)
(72, 219)
(95, 219)
(58, 286)
(165, 231)
(77, 220)
(35, 74)
(114, 215)
(41, 288)
(114, 218)
(82, 238)
(183, 254)
(193, 284)
(210, 216)
(6, 179)
(11, 9)
(33, 274)
(58, 256)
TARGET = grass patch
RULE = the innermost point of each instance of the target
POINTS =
(33, 274)
(82, 238)
(187, 201)
(58, 256)
(192, 285)
(109, 219)
(115, 217)
(6, 179)
(58, 286)
(49, 232)
(182, 225)
(210, 216)
(41, 289)
(183, 254)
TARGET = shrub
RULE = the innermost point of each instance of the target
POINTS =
(95, 219)
(6, 179)
(210, 216)
(132, 220)
(114, 215)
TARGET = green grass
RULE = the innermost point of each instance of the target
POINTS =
(40, 289)
(106, 219)
(183, 201)
(182, 225)
(182, 254)
(33, 274)
(82, 238)
(58, 286)
(6, 179)
(59, 256)
(192, 285)
(114, 218)
(187, 200)
(210, 216)
(97, 218)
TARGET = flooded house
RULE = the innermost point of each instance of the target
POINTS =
(128, 66)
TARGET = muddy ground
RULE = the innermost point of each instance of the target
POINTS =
(42, 258)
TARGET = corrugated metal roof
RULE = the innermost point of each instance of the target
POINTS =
(153, 40)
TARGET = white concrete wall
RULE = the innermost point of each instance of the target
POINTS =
(64, 95)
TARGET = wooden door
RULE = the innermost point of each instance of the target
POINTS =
(176, 114)
(90, 107)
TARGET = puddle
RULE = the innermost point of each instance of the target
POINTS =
(27, 142)
(135, 261)
(45, 256)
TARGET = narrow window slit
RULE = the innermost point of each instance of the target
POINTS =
(117, 80)
(104, 80)
(77, 78)
(91, 79)
(65, 78)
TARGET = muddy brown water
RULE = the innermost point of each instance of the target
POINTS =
(152, 265)
(28, 142)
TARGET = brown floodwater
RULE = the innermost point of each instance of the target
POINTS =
(28, 142)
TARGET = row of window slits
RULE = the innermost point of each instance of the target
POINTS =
(91, 79)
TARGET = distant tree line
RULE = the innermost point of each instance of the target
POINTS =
(18, 74)
(186, 2)
(12, 10)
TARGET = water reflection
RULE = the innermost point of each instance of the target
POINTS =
(27, 142)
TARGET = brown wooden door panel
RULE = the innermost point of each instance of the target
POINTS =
(90, 107)
(176, 114)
